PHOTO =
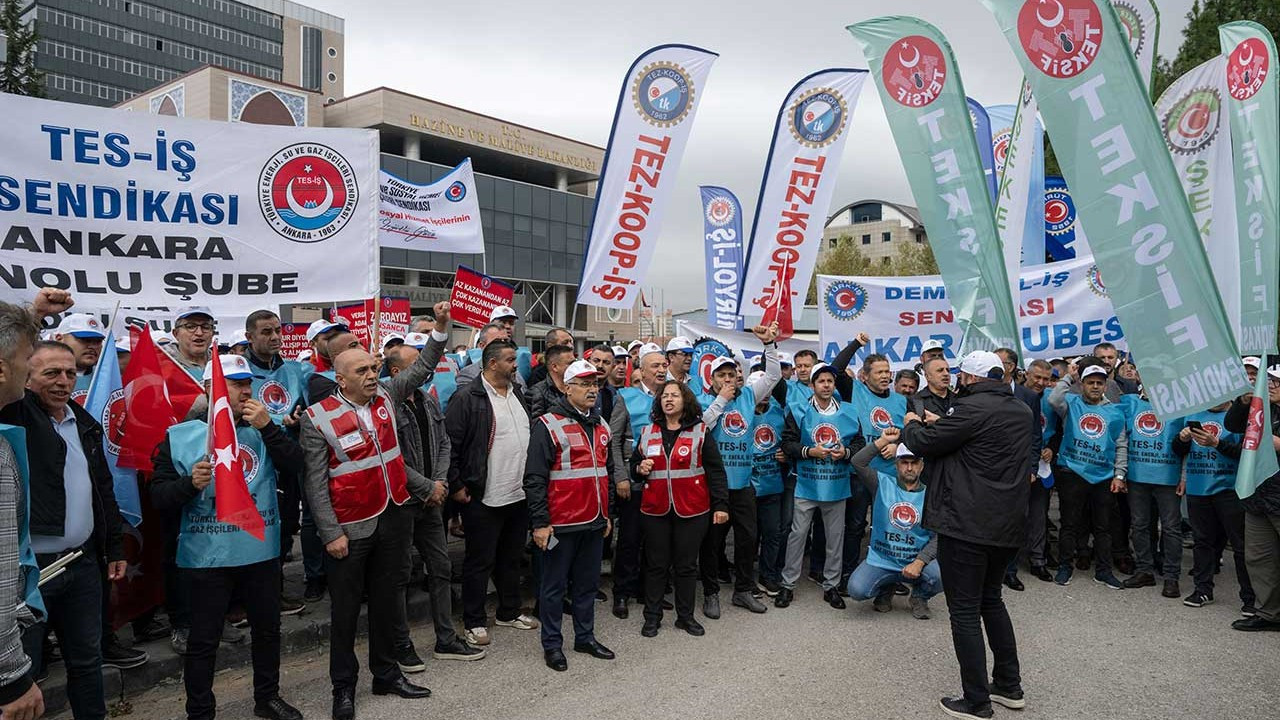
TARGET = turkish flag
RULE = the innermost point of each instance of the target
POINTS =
(231, 498)
(183, 390)
(779, 307)
(148, 412)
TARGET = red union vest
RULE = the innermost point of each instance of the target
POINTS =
(365, 470)
(676, 479)
(578, 484)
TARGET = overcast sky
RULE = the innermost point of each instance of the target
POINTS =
(557, 66)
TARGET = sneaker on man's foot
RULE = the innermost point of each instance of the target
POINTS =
(478, 636)
(232, 635)
(769, 587)
(961, 708)
(152, 630)
(457, 650)
(1104, 577)
(883, 602)
(749, 602)
(711, 606)
(520, 622)
(290, 605)
(919, 607)
(238, 619)
(784, 598)
(1171, 589)
(120, 657)
(314, 591)
(1197, 599)
(1012, 699)
(408, 660)
(178, 640)
(1063, 577)
(1248, 610)
(1141, 580)
(815, 578)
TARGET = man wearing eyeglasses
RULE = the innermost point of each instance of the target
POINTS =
(193, 330)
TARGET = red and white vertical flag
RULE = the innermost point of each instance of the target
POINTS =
(779, 305)
(232, 501)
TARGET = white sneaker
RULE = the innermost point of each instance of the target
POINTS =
(523, 622)
(478, 636)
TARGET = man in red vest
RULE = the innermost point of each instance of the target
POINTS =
(568, 484)
(357, 484)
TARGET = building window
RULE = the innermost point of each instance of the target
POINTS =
(311, 57)
(919, 238)
(866, 239)
(832, 243)
(333, 52)
(333, 78)
(886, 236)
(394, 276)
(884, 260)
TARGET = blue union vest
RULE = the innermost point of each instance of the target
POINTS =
(1089, 434)
(203, 542)
(824, 480)
(283, 389)
(896, 533)
(732, 433)
(1209, 472)
(1151, 456)
(639, 406)
(766, 436)
(875, 414)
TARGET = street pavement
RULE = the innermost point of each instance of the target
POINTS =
(1087, 652)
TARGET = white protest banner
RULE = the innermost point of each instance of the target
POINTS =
(1064, 310)
(656, 107)
(441, 217)
(1193, 118)
(157, 210)
(795, 194)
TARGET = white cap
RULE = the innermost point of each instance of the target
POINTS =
(193, 310)
(580, 369)
(754, 377)
(679, 343)
(163, 338)
(392, 339)
(305, 355)
(1093, 370)
(649, 349)
(322, 326)
(1253, 362)
(980, 363)
(720, 362)
(1274, 371)
(931, 344)
(503, 311)
(234, 367)
(417, 340)
(81, 325)
(819, 367)
(904, 451)
(633, 345)
(786, 358)
(619, 351)
(238, 337)
(123, 344)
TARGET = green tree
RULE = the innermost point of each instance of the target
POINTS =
(1200, 36)
(843, 259)
(914, 259)
(18, 73)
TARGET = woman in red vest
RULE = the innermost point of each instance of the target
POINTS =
(683, 483)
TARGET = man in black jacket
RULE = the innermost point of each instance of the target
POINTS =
(1009, 361)
(550, 390)
(1261, 517)
(73, 509)
(977, 505)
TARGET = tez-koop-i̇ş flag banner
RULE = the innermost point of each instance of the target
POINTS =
(443, 216)
(1253, 96)
(154, 210)
(1064, 311)
(1108, 143)
(925, 102)
(795, 194)
(1194, 122)
(656, 107)
(722, 233)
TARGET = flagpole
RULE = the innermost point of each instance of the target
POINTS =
(93, 379)
(377, 317)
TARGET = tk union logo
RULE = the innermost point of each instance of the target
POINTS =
(818, 117)
(113, 421)
(683, 451)
(1134, 29)
(1000, 147)
(720, 211)
(1061, 37)
(704, 351)
(455, 192)
(485, 282)
(1147, 424)
(307, 192)
(1059, 211)
(881, 419)
(904, 515)
(1212, 428)
(1191, 123)
(275, 397)
(845, 299)
(734, 424)
(662, 94)
(1092, 425)
(826, 435)
(382, 413)
(1247, 68)
(766, 438)
(1094, 278)
(914, 71)
(249, 461)
(80, 396)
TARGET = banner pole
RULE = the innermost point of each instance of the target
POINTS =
(377, 318)
(110, 328)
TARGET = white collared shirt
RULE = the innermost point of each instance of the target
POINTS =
(510, 447)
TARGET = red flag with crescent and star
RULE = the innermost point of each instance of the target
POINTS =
(232, 501)
(779, 308)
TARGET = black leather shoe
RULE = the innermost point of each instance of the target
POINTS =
(555, 659)
(1012, 582)
(277, 709)
(594, 649)
(401, 687)
(691, 626)
(1255, 624)
(620, 609)
(1141, 580)
(833, 599)
(650, 628)
(784, 598)
(1040, 572)
(344, 703)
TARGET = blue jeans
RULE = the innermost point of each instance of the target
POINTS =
(867, 581)
(572, 567)
(769, 529)
(74, 602)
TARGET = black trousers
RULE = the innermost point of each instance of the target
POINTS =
(375, 565)
(571, 568)
(494, 544)
(742, 519)
(971, 576)
(1218, 521)
(671, 546)
(429, 537)
(290, 502)
(626, 553)
(1078, 499)
(257, 587)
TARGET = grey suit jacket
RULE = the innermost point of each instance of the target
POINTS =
(316, 448)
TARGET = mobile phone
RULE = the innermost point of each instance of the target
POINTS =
(552, 542)
(1194, 425)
